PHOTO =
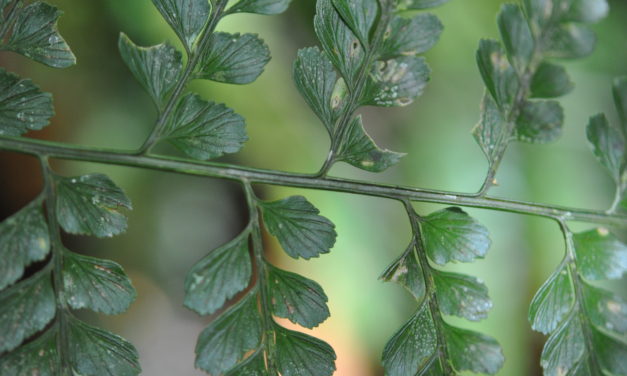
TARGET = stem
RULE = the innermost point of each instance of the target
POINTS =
(262, 276)
(341, 130)
(194, 58)
(580, 301)
(63, 341)
(430, 291)
(272, 177)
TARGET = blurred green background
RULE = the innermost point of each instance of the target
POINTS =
(177, 219)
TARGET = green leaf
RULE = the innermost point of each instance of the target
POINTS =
(409, 350)
(564, 349)
(254, 365)
(233, 58)
(550, 81)
(407, 272)
(410, 36)
(569, 41)
(315, 80)
(619, 90)
(611, 352)
(552, 301)
(298, 354)
(298, 227)
(23, 240)
(205, 130)
(220, 275)
(186, 17)
(97, 284)
(25, 309)
(396, 82)
(225, 342)
(461, 295)
(359, 15)
(297, 298)
(419, 4)
(498, 75)
(156, 68)
(35, 36)
(38, 357)
(600, 255)
(260, 6)
(90, 205)
(490, 132)
(98, 352)
(539, 122)
(516, 36)
(608, 145)
(587, 10)
(606, 310)
(472, 351)
(452, 235)
(23, 107)
(338, 41)
(360, 150)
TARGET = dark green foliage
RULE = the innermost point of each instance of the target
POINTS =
(220, 275)
(23, 107)
(205, 130)
(186, 17)
(90, 205)
(298, 227)
(233, 58)
(34, 35)
(23, 240)
(368, 57)
(25, 308)
(156, 68)
(297, 298)
(97, 284)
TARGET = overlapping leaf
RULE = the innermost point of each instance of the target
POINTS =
(220, 275)
(225, 342)
(156, 68)
(297, 298)
(205, 130)
(186, 17)
(539, 122)
(359, 16)
(554, 300)
(35, 36)
(489, 132)
(233, 58)
(23, 107)
(298, 227)
(100, 285)
(90, 205)
(25, 309)
(550, 81)
(23, 240)
(361, 151)
(516, 36)
(38, 357)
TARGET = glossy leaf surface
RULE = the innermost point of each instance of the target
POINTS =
(461, 295)
(186, 17)
(23, 106)
(298, 227)
(600, 255)
(410, 36)
(260, 6)
(90, 205)
(299, 354)
(552, 301)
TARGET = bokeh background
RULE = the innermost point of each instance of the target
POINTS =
(177, 219)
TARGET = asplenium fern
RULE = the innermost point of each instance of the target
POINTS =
(368, 56)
